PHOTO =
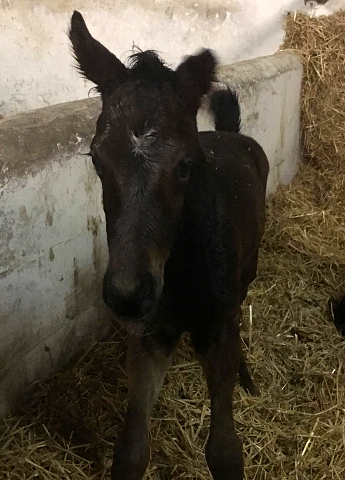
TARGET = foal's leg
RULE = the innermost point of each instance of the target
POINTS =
(246, 380)
(221, 362)
(147, 365)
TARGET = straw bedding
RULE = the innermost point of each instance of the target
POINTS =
(296, 428)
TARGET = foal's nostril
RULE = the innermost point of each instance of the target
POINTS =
(135, 304)
(146, 294)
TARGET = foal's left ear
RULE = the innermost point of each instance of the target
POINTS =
(194, 78)
(95, 61)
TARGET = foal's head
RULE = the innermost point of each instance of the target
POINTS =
(145, 144)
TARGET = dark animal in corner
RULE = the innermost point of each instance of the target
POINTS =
(184, 216)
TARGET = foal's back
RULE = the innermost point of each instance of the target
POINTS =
(237, 169)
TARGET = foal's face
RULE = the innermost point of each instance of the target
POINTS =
(143, 152)
(145, 144)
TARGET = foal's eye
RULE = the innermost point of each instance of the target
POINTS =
(184, 169)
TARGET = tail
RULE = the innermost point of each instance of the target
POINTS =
(225, 110)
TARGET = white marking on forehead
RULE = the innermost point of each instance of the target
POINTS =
(142, 144)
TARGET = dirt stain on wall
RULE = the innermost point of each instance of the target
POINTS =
(23, 215)
(93, 226)
(86, 285)
(49, 218)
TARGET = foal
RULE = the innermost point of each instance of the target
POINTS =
(184, 215)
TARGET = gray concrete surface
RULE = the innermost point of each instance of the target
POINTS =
(52, 244)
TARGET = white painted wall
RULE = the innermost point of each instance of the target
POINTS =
(36, 64)
(52, 245)
(50, 273)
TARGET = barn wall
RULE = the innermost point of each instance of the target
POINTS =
(52, 246)
(52, 233)
(36, 61)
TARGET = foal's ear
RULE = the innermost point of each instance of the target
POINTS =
(95, 61)
(194, 78)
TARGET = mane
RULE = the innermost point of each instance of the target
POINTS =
(148, 64)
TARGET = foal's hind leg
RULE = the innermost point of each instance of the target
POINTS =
(147, 364)
(221, 362)
(246, 380)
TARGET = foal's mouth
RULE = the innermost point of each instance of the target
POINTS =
(132, 326)
(136, 325)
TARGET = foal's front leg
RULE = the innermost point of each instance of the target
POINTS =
(147, 364)
(221, 361)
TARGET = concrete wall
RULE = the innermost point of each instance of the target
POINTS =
(52, 246)
(36, 62)
(52, 233)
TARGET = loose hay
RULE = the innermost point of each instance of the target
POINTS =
(321, 44)
(296, 429)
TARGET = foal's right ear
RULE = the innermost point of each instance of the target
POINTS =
(194, 77)
(95, 61)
